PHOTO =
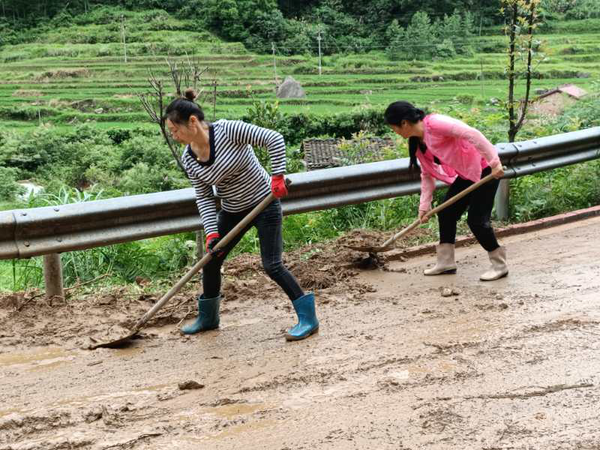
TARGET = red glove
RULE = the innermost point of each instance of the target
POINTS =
(278, 187)
(212, 239)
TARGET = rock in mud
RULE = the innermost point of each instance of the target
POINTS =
(189, 385)
(446, 292)
(93, 415)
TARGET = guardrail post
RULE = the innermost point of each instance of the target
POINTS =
(53, 275)
(502, 200)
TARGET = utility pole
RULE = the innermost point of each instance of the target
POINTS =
(123, 37)
(481, 53)
(274, 62)
(319, 40)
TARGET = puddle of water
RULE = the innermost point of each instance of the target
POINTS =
(307, 398)
(89, 400)
(228, 411)
(43, 359)
(401, 375)
(189, 442)
(127, 351)
(241, 323)
(434, 367)
(49, 364)
(237, 430)
(186, 443)
(8, 412)
(236, 409)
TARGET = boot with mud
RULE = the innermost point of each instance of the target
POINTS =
(208, 315)
(307, 318)
(445, 261)
(499, 268)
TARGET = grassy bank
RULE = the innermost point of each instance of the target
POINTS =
(71, 120)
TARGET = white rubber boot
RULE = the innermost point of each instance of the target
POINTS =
(499, 268)
(445, 261)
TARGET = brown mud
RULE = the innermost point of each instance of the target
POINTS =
(397, 364)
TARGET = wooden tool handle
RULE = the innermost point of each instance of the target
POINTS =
(437, 209)
(460, 195)
(401, 233)
(207, 257)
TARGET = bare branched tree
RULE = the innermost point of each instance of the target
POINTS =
(182, 75)
(522, 21)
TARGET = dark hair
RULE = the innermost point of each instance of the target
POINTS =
(180, 110)
(399, 111)
(394, 115)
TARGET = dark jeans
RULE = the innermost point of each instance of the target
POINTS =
(480, 203)
(268, 225)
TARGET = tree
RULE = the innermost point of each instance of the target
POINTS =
(522, 20)
(418, 36)
(183, 75)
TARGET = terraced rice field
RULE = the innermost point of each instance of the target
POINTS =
(78, 74)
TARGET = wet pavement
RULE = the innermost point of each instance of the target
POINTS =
(510, 364)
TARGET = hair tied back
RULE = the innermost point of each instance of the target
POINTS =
(190, 94)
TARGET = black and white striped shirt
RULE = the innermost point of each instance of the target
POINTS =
(240, 180)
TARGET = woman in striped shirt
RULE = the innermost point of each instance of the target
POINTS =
(220, 154)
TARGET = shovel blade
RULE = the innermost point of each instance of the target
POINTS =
(117, 343)
(368, 249)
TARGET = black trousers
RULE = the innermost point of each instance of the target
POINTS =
(479, 203)
(268, 224)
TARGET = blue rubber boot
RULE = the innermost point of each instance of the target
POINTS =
(208, 315)
(307, 318)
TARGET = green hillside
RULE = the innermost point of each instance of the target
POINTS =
(77, 73)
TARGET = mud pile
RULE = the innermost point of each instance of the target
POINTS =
(106, 313)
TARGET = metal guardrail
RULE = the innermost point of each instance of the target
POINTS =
(42, 231)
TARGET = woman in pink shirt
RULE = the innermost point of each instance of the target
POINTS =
(455, 153)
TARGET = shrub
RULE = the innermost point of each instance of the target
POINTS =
(305, 69)
(465, 99)
(445, 49)
(9, 189)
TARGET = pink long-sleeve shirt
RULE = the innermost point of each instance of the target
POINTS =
(462, 150)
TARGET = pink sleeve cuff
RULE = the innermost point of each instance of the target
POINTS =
(494, 162)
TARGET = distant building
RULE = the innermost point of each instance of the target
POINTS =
(324, 153)
(554, 101)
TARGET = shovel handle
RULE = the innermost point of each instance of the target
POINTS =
(207, 257)
(437, 209)
(401, 233)
(460, 195)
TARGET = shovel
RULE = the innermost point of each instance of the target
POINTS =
(187, 277)
(387, 245)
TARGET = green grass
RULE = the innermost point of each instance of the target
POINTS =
(85, 63)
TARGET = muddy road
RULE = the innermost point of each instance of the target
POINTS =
(511, 364)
